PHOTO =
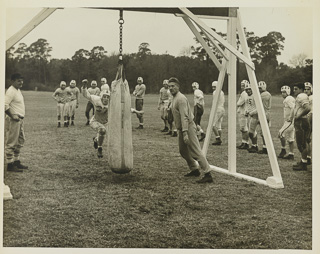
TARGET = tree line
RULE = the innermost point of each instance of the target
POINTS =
(44, 73)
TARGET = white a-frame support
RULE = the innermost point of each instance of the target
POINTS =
(228, 66)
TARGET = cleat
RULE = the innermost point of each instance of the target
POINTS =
(245, 146)
(174, 134)
(72, 123)
(202, 137)
(253, 149)
(282, 153)
(95, 143)
(65, 124)
(19, 165)
(88, 122)
(218, 142)
(300, 166)
(140, 127)
(207, 178)
(288, 157)
(100, 155)
(193, 173)
(309, 161)
(240, 146)
(263, 151)
(59, 125)
(13, 168)
(169, 133)
(165, 129)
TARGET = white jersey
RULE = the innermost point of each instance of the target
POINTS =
(105, 87)
(288, 104)
(198, 98)
(301, 100)
(14, 101)
(221, 101)
(241, 104)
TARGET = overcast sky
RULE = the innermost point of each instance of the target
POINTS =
(70, 29)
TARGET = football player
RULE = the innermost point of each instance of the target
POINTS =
(139, 93)
(93, 90)
(286, 133)
(74, 100)
(198, 109)
(62, 97)
(217, 130)
(309, 92)
(242, 118)
(163, 104)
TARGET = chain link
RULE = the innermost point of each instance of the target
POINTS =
(121, 22)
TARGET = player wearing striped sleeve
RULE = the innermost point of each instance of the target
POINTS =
(309, 92)
(62, 96)
(163, 104)
(139, 93)
(99, 120)
(198, 109)
(217, 121)
(286, 133)
(242, 118)
(74, 100)
(266, 102)
(93, 90)
(301, 124)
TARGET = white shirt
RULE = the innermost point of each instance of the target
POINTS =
(14, 101)
(220, 105)
(198, 97)
(288, 103)
(241, 104)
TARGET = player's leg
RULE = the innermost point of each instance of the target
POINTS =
(217, 128)
(243, 123)
(139, 107)
(253, 135)
(87, 112)
(163, 111)
(301, 127)
(59, 113)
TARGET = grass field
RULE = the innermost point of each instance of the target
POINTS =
(70, 198)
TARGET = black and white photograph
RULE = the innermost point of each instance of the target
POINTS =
(170, 127)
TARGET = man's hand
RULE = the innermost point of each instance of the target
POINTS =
(16, 117)
(185, 138)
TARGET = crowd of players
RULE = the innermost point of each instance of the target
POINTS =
(297, 114)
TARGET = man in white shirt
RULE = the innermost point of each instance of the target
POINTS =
(286, 133)
(15, 112)
(104, 86)
(242, 118)
(163, 104)
(139, 93)
(198, 109)
(217, 129)
(308, 90)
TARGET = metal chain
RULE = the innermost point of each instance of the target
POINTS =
(121, 22)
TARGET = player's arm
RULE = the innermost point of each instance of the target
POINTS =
(183, 110)
(84, 89)
(304, 110)
(241, 101)
(55, 96)
(141, 90)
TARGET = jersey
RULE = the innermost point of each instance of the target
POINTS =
(101, 110)
(164, 96)
(251, 106)
(139, 91)
(241, 103)
(266, 102)
(105, 87)
(301, 100)
(94, 91)
(62, 95)
(220, 106)
(74, 93)
(198, 98)
(288, 104)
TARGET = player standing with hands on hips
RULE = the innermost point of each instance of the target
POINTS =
(14, 132)
(139, 93)
(189, 145)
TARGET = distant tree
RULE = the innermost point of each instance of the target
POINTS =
(80, 62)
(22, 52)
(298, 60)
(186, 51)
(144, 50)
(97, 53)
